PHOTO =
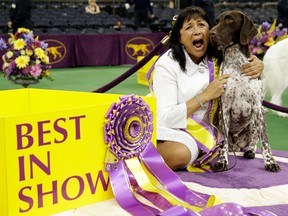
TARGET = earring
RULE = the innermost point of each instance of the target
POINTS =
(174, 19)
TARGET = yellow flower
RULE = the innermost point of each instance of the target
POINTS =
(281, 38)
(24, 30)
(29, 52)
(11, 39)
(46, 72)
(19, 44)
(22, 61)
(39, 53)
(9, 54)
(46, 59)
(270, 42)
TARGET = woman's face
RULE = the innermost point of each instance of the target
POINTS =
(194, 35)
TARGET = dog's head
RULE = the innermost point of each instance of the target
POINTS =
(232, 27)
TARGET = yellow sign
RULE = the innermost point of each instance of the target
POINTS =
(142, 72)
(52, 150)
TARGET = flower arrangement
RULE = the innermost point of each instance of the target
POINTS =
(268, 34)
(25, 58)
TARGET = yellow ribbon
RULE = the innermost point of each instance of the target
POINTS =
(201, 134)
(144, 182)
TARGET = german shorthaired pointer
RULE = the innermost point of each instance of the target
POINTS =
(243, 120)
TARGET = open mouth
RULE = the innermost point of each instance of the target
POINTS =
(198, 43)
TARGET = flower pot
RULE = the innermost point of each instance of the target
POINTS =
(24, 81)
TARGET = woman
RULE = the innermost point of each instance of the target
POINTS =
(92, 7)
(187, 86)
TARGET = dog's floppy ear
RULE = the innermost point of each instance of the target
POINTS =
(248, 30)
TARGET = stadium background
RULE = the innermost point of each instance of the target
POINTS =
(69, 16)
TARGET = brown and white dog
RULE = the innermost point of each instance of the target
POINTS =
(243, 120)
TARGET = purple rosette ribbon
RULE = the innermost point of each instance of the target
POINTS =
(129, 127)
(128, 131)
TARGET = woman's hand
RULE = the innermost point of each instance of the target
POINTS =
(215, 89)
(254, 68)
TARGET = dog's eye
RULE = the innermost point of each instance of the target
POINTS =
(228, 19)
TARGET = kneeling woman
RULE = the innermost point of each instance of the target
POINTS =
(186, 86)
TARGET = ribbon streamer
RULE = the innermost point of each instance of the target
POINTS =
(125, 197)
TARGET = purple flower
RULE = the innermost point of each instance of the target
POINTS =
(265, 26)
(11, 68)
(26, 70)
(44, 45)
(265, 38)
(46, 67)
(254, 41)
(28, 38)
(279, 34)
(3, 45)
(16, 53)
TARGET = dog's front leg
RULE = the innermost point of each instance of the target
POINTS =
(222, 162)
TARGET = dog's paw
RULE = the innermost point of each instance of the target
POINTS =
(249, 154)
(272, 167)
(220, 166)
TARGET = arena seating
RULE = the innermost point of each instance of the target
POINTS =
(58, 17)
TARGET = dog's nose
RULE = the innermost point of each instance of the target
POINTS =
(212, 32)
(212, 35)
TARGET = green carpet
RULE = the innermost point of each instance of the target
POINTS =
(87, 79)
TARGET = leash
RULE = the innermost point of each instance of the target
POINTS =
(275, 107)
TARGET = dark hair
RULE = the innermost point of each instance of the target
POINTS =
(174, 43)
